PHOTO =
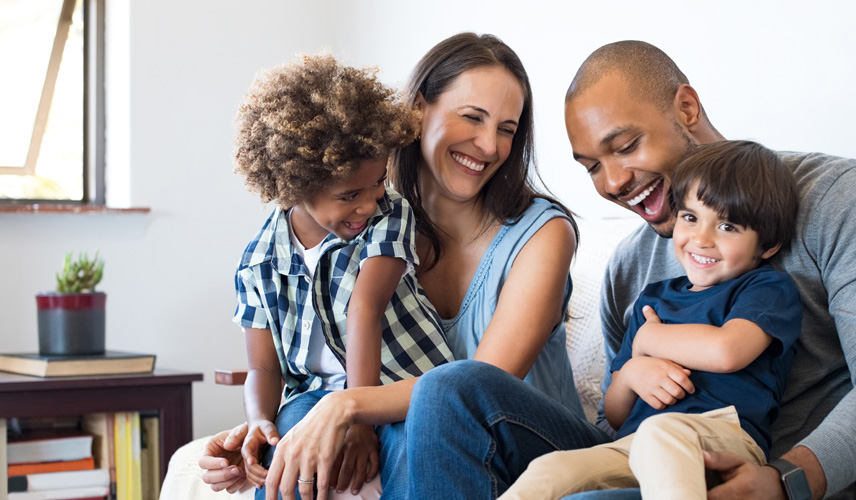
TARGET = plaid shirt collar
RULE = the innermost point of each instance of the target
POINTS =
(285, 258)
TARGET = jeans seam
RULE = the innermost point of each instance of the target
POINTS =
(522, 423)
(493, 482)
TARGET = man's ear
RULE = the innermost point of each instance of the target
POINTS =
(771, 251)
(688, 108)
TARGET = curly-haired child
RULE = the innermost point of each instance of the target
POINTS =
(327, 291)
(706, 356)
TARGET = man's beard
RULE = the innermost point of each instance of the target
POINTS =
(666, 228)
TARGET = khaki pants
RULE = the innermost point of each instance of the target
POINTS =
(663, 458)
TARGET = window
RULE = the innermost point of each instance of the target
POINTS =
(51, 98)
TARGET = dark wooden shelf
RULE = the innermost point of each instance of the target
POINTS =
(67, 208)
(168, 392)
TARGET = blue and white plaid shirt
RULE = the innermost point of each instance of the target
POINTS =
(275, 292)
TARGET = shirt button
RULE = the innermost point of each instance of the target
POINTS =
(307, 325)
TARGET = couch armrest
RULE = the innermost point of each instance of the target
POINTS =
(230, 377)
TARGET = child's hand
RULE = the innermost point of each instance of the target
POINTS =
(659, 382)
(358, 459)
(259, 433)
(221, 460)
(651, 318)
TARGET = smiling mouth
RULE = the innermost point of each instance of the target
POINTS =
(702, 259)
(644, 195)
(357, 227)
(470, 164)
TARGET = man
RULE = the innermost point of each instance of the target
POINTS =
(631, 116)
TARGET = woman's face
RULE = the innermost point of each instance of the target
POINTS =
(467, 132)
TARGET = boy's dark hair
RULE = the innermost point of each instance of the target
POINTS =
(745, 183)
(304, 125)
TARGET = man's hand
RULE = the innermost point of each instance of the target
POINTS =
(741, 479)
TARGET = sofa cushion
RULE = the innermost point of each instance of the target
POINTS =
(598, 239)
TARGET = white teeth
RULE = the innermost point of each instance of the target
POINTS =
(703, 260)
(644, 194)
(478, 167)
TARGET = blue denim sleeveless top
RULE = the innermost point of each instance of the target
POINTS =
(551, 372)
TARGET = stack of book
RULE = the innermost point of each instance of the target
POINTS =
(52, 465)
(115, 455)
(109, 363)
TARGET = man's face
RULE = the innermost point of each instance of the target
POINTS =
(629, 147)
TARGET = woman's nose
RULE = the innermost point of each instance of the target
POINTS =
(485, 141)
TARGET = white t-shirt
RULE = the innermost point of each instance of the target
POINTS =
(320, 360)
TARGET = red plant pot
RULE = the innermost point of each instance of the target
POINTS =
(71, 324)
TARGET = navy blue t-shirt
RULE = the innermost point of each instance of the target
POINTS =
(763, 296)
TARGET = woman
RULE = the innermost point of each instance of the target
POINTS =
(495, 256)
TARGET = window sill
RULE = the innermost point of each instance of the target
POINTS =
(54, 208)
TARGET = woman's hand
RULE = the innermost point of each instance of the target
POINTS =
(358, 459)
(222, 462)
(258, 434)
(309, 450)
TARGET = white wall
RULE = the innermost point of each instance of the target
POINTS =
(780, 73)
(777, 72)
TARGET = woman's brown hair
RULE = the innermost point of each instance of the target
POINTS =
(511, 190)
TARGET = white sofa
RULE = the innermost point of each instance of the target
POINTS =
(598, 238)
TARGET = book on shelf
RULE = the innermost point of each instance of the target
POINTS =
(59, 480)
(96, 424)
(41, 467)
(83, 493)
(39, 447)
(3, 463)
(111, 454)
(43, 424)
(136, 466)
(150, 455)
(126, 428)
(120, 442)
(100, 425)
(109, 363)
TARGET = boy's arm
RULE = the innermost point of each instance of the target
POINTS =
(724, 349)
(378, 278)
(262, 394)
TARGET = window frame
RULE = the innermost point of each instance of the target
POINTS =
(93, 164)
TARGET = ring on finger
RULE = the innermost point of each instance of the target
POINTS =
(301, 480)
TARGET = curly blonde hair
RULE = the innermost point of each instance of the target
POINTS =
(306, 124)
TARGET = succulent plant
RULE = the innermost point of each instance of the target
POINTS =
(79, 276)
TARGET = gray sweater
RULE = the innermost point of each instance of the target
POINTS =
(819, 406)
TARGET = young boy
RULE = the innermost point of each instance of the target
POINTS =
(327, 291)
(705, 359)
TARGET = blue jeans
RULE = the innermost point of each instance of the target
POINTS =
(393, 465)
(472, 429)
(626, 494)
